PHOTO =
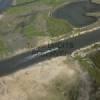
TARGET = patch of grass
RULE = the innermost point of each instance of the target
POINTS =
(58, 27)
(96, 59)
(96, 72)
(3, 48)
(96, 75)
(23, 1)
(17, 10)
(30, 31)
(23, 11)
(61, 89)
(91, 63)
(52, 2)
(26, 5)
(93, 70)
(55, 27)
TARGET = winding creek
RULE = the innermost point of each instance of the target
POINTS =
(45, 52)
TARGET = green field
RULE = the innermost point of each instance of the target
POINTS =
(58, 27)
(96, 59)
(3, 48)
(29, 19)
(91, 64)
(50, 2)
